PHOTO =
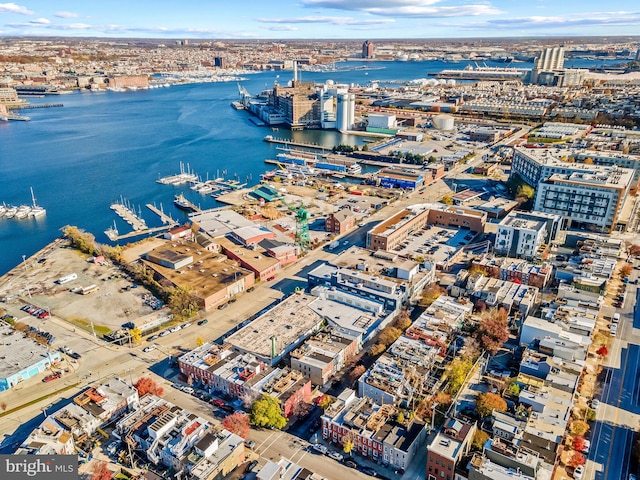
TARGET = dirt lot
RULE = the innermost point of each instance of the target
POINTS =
(113, 304)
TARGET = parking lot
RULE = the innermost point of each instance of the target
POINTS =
(439, 244)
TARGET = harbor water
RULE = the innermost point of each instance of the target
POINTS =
(101, 146)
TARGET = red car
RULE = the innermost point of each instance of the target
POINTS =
(53, 376)
(44, 315)
(217, 402)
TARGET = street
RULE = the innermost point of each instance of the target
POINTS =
(618, 416)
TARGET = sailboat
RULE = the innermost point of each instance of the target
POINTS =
(36, 210)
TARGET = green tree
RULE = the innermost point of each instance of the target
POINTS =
(458, 370)
(266, 412)
(400, 417)
(514, 389)
(486, 403)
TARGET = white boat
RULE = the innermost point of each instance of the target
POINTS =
(36, 210)
(11, 212)
(23, 212)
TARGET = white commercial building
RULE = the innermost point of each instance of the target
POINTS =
(588, 199)
(522, 234)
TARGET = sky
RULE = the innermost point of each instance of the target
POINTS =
(321, 19)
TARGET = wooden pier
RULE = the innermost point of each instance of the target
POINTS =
(166, 219)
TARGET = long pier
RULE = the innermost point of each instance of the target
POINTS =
(146, 231)
(163, 216)
(282, 141)
(129, 217)
(41, 105)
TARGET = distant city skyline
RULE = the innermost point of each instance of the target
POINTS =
(319, 19)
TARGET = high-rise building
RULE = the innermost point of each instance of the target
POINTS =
(368, 49)
(550, 60)
(220, 62)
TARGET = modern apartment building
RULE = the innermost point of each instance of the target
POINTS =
(591, 196)
(588, 199)
(522, 234)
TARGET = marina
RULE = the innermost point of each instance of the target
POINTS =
(23, 211)
(183, 203)
(127, 213)
(185, 176)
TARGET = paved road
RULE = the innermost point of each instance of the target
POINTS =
(618, 416)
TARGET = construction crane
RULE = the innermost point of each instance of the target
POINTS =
(302, 223)
(244, 95)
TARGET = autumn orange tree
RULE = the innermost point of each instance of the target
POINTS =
(576, 459)
(356, 373)
(634, 250)
(486, 403)
(603, 351)
(99, 471)
(492, 330)
(148, 385)
(237, 423)
(578, 443)
(625, 270)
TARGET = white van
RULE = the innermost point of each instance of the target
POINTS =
(614, 329)
(616, 317)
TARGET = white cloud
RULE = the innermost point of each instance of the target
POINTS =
(66, 15)
(405, 8)
(329, 20)
(582, 21)
(283, 28)
(13, 8)
(40, 21)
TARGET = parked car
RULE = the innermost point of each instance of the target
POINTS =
(595, 403)
(188, 390)
(150, 348)
(204, 321)
(186, 325)
(53, 376)
(587, 445)
(250, 444)
(252, 465)
(44, 315)
(578, 472)
(152, 338)
(336, 456)
(223, 306)
(320, 449)
(217, 402)
(75, 355)
(165, 333)
(351, 464)
(369, 471)
(174, 329)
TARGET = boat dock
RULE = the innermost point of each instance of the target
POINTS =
(281, 141)
(39, 105)
(166, 219)
(179, 178)
(146, 231)
(128, 216)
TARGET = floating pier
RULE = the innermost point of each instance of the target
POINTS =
(166, 219)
